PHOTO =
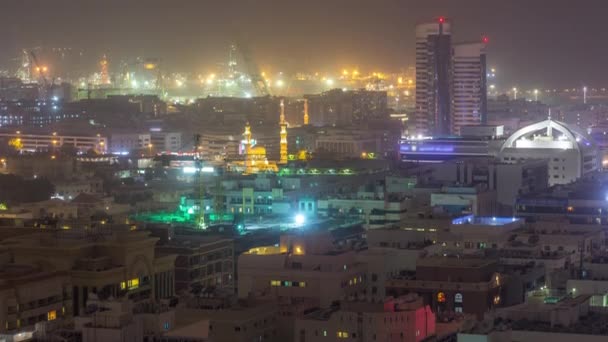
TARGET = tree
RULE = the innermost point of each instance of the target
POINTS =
(15, 189)
(16, 144)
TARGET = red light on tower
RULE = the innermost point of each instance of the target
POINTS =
(485, 39)
(441, 20)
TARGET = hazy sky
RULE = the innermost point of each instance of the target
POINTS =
(535, 43)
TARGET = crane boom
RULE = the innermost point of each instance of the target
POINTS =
(252, 69)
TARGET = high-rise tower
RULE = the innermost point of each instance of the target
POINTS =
(469, 85)
(433, 78)
(283, 132)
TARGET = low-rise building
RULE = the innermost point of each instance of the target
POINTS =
(52, 142)
(404, 318)
(117, 261)
(303, 269)
(31, 294)
(201, 261)
(458, 200)
(455, 285)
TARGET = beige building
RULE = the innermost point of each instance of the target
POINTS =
(30, 295)
(303, 271)
(117, 261)
(242, 323)
(394, 319)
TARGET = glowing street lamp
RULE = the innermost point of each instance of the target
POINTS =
(515, 93)
(299, 220)
(536, 95)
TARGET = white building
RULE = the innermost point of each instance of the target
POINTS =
(121, 143)
(50, 142)
(218, 147)
(469, 86)
(166, 141)
(570, 152)
(373, 209)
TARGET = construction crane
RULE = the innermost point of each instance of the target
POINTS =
(219, 197)
(200, 220)
(25, 67)
(252, 68)
(41, 72)
(40, 69)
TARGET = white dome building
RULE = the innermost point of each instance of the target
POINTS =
(570, 151)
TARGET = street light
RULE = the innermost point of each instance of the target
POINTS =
(515, 93)
(150, 148)
(536, 95)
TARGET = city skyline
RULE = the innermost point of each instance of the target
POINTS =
(538, 50)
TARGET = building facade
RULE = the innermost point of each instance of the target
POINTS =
(469, 107)
(433, 78)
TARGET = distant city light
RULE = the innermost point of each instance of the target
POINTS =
(189, 169)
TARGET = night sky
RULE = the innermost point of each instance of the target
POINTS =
(534, 43)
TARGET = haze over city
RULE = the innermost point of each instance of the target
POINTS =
(562, 42)
(303, 171)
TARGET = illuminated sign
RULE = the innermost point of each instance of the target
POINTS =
(458, 298)
(441, 297)
(427, 148)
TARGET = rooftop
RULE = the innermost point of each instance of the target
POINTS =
(455, 262)
(485, 220)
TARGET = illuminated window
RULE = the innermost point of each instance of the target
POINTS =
(441, 297)
(287, 283)
(302, 284)
(342, 334)
(497, 280)
(123, 285)
(496, 300)
(570, 209)
(63, 310)
(275, 283)
(51, 315)
(133, 283)
(325, 333)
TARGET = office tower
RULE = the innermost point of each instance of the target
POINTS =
(433, 78)
(469, 92)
